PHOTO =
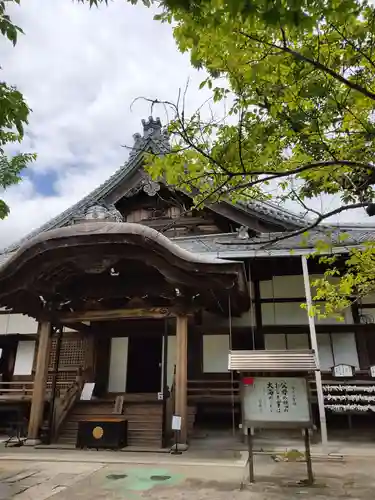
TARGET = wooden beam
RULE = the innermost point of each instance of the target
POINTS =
(37, 403)
(114, 314)
(181, 374)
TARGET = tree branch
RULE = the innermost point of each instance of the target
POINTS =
(298, 232)
(272, 175)
(360, 51)
(316, 64)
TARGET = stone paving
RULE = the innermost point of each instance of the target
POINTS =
(276, 481)
(176, 479)
(40, 480)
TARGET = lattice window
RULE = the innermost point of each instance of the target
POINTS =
(71, 352)
(64, 380)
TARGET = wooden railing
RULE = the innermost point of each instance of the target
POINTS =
(65, 402)
(16, 390)
(215, 391)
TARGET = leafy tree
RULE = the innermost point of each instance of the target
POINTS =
(299, 80)
(13, 117)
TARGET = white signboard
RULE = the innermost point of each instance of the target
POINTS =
(372, 371)
(176, 423)
(276, 400)
(87, 391)
(343, 371)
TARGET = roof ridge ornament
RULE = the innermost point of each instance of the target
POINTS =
(152, 129)
(243, 233)
(151, 187)
(151, 126)
(97, 212)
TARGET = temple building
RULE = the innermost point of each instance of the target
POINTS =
(136, 293)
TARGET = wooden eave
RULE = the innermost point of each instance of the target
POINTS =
(238, 214)
(43, 265)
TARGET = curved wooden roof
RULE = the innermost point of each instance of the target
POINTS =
(55, 264)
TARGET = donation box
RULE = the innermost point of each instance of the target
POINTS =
(108, 433)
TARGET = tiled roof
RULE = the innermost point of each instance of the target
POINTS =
(273, 243)
(273, 211)
(155, 140)
(230, 246)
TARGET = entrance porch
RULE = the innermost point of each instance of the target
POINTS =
(124, 288)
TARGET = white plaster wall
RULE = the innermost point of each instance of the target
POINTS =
(345, 349)
(171, 359)
(282, 287)
(118, 364)
(274, 341)
(291, 313)
(215, 353)
(369, 299)
(22, 325)
(4, 320)
(287, 313)
(342, 349)
(297, 341)
(17, 323)
(286, 287)
(288, 341)
(24, 357)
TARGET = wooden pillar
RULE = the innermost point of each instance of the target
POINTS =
(89, 357)
(181, 374)
(259, 335)
(40, 380)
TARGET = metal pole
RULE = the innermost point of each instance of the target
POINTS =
(51, 419)
(231, 372)
(310, 475)
(251, 454)
(164, 382)
(314, 345)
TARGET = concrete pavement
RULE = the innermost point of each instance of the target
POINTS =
(61, 480)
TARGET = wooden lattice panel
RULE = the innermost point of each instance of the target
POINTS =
(71, 352)
(71, 359)
(64, 380)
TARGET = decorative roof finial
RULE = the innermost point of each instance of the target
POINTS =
(99, 213)
(152, 129)
(243, 233)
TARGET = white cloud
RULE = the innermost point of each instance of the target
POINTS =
(80, 70)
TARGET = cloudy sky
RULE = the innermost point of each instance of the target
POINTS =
(80, 70)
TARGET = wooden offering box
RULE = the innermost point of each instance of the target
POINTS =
(107, 432)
